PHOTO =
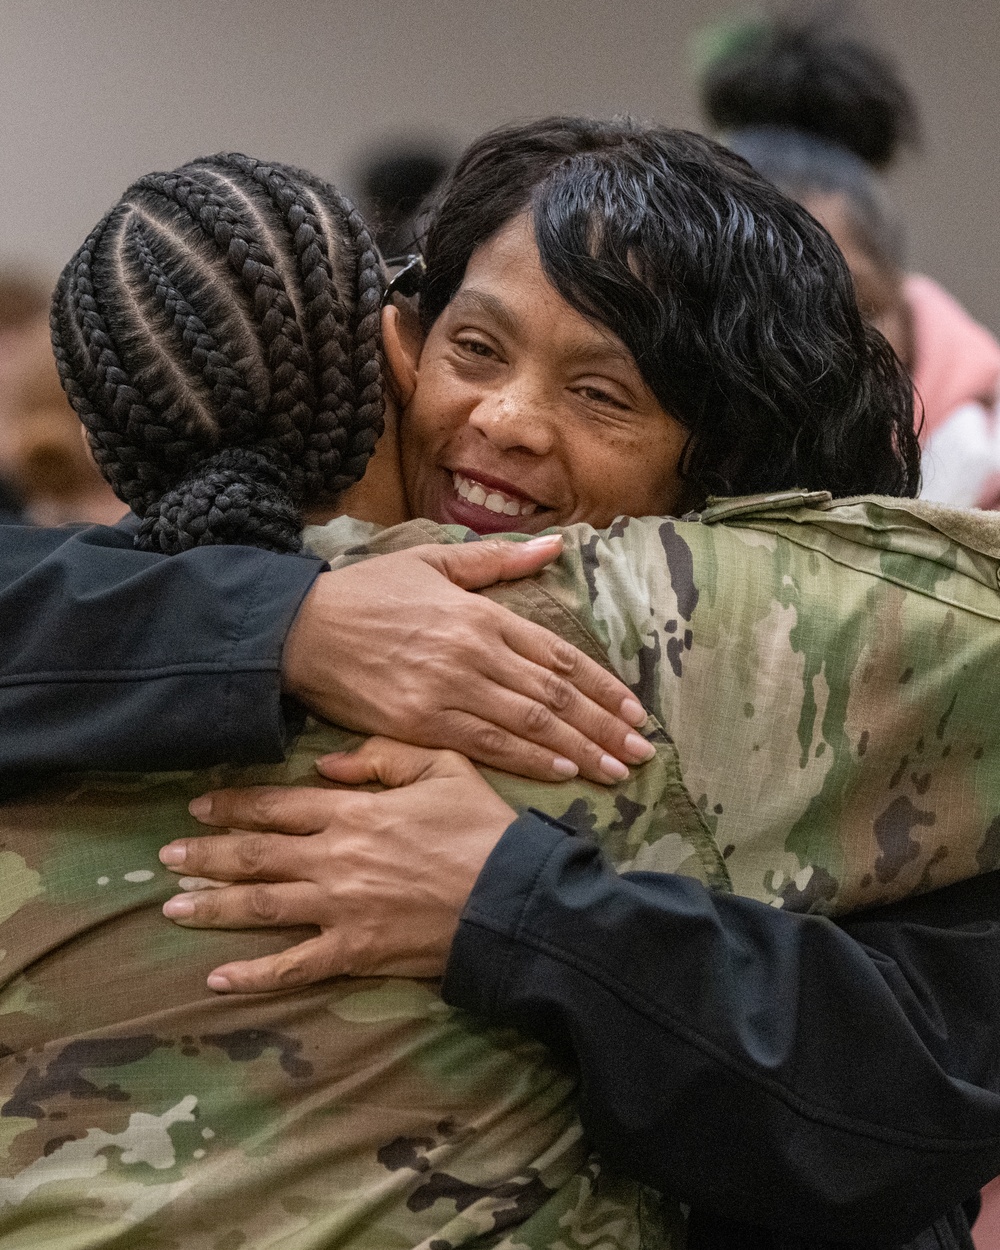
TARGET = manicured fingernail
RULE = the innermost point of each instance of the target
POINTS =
(178, 907)
(217, 982)
(613, 768)
(201, 807)
(544, 540)
(174, 853)
(638, 749)
(564, 768)
(633, 712)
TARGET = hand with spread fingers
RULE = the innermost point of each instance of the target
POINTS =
(397, 645)
(365, 874)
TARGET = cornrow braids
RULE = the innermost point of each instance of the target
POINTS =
(218, 335)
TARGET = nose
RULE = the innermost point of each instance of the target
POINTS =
(516, 416)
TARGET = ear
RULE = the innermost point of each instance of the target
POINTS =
(402, 340)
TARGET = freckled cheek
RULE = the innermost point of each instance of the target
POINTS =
(628, 478)
(445, 405)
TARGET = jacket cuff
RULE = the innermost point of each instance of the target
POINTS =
(257, 717)
(485, 949)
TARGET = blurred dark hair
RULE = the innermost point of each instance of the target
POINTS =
(736, 305)
(396, 179)
(817, 111)
(807, 75)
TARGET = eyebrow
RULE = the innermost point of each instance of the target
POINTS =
(600, 353)
(471, 300)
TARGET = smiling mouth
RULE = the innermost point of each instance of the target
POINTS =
(490, 498)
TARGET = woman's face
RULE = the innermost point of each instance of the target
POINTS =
(524, 414)
(878, 287)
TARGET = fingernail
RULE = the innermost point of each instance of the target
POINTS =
(633, 712)
(613, 768)
(217, 982)
(564, 768)
(201, 807)
(544, 540)
(638, 748)
(179, 906)
(174, 853)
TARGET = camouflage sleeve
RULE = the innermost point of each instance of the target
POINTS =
(599, 965)
(824, 670)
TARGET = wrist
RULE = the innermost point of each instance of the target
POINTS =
(306, 642)
(485, 948)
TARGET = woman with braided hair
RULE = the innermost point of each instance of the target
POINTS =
(284, 409)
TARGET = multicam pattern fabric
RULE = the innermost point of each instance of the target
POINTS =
(821, 682)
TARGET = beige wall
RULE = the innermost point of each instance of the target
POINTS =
(96, 92)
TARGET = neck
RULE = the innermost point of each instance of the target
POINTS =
(378, 497)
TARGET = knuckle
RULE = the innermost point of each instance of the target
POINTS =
(487, 740)
(264, 807)
(537, 719)
(261, 904)
(558, 692)
(288, 970)
(564, 658)
(251, 853)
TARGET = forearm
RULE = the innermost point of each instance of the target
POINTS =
(117, 658)
(838, 1082)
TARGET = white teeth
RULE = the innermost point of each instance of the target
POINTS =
(493, 500)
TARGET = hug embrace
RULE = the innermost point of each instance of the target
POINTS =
(692, 997)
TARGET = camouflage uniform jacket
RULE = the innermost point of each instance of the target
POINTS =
(819, 678)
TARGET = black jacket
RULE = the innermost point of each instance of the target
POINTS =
(833, 1083)
(116, 658)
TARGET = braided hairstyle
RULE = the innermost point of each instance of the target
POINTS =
(218, 335)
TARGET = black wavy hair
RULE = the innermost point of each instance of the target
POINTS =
(735, 303)
(817, 111)
(218, 334)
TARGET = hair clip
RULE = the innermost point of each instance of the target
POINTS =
(407, 281)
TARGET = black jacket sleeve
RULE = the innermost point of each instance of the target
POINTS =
(126, 659)
(837, 1081)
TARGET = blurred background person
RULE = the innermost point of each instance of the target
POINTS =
(46, 474)
(395, 180)
(824, 115)
(22, 300)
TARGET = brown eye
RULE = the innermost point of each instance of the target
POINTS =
(596, 396)
(477, 348)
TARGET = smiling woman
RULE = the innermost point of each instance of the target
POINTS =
(522, 408)
(626, 319)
